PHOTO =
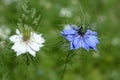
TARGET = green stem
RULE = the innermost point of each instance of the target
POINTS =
(65, 66)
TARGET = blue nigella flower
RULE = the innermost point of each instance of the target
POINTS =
(79, 38)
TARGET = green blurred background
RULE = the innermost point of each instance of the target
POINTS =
(103, 16)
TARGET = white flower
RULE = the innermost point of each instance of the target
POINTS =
(64, 12)
(4, 32)
(31, 45)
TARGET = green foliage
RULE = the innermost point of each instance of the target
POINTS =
(103, 16)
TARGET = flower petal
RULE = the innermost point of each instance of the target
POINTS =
(89, 32)
(81, 43)
(76, 42)
(19, 53)
(85, 45)
(92, 41)
(71, 45)
(19, 48)
(38, 38)
(15, 38)
(70, 37)
(70, 31)
(34, 46)
(17, 31)
(33, 53)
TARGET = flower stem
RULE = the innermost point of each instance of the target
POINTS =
(28, 59)
(68, 58)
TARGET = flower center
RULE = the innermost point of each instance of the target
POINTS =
(26, 33)
(26, 38)
(81, 32)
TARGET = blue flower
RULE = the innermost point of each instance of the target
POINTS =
(78, 38)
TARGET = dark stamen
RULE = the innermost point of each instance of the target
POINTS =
(80, 31)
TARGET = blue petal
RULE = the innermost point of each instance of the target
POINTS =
(62, 33)
(92, 41)
(83, 44)
(79, 42)
(76, 42)
(94, 48)
(71, 45)
(70, 37)
(66, 32)
(89, 32)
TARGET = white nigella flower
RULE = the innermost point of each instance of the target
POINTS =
(27, 42)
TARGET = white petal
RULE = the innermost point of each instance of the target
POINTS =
(17, 31)
(19, 48)
(19, 53)
(23, 47)
(33, 53)
(15, 38)
(41, 45)
(34, 46)
(16, 46)
(38, 38)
